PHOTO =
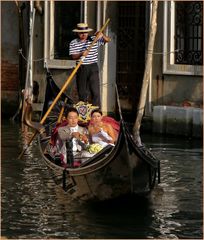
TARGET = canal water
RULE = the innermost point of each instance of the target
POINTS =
(33, 207)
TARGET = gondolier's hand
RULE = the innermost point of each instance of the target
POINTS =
(100, 35)
(80, 55)
(85, 53)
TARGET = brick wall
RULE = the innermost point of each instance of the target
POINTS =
(9, 76)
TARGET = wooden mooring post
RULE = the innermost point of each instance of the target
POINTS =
(148, 66)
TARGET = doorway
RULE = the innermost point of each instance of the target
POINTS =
(131, 43)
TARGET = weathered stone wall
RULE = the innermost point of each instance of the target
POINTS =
(9, 57)
(9, 76)
(173, 89)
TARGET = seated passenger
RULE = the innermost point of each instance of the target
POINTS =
(99, 131)
(73, 133)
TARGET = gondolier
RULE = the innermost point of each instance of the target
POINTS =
(87, 77)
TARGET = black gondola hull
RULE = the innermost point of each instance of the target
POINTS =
(119, 172)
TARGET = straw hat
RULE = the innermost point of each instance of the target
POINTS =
(82, 27)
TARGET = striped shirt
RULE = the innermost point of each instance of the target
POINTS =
(76, 46)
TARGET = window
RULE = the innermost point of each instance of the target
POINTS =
(60, 18)
(183, 38)
(189, 33)
(67, 15)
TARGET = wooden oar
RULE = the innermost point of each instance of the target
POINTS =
(62, 111)
(63, 88)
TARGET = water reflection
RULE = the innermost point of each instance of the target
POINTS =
(34, 207)
(179, 207)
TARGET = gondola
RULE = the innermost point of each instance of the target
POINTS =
(113, 172)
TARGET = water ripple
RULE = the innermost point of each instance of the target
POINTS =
(34, 207)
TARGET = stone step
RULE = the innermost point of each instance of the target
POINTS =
(184, 121)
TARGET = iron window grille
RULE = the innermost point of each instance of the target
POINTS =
(189, 33)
